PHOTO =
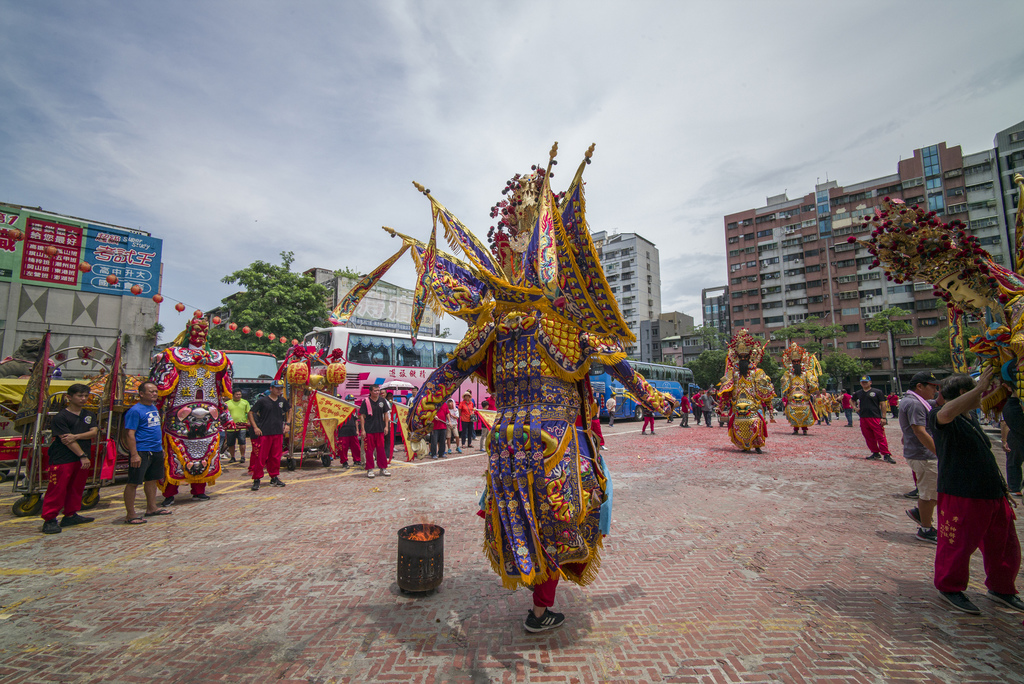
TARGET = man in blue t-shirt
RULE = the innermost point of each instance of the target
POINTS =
(146, 466)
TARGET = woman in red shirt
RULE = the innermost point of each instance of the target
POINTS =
(466, 409)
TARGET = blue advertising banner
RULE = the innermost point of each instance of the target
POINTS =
(133, 258)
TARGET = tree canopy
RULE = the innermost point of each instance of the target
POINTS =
(811, 327)
(937, 355)
(709, 367)
(275, 300)
(884, 322)
(844, 368)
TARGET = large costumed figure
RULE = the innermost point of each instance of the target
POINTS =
(540, 312)
(912, 244)
(193, 382)
(747, 392)
(799, 387)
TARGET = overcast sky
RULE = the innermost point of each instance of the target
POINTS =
(237, 130)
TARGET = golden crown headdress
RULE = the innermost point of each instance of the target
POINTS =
(743, 344)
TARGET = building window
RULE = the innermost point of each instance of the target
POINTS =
(754, 321)
(811, 252)
(846, 263)
(936, 203)
(734, 239)
(928, 321)
(813, 268)
(749, 236)
(853, 345)
(736, 281)
(931, 161)
(851, 312)
(769, 320)
(764, 233)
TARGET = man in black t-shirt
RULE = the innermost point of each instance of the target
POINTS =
(374, 418)
(267, 419)
(73, 429)
(974, 506)
(870, 404)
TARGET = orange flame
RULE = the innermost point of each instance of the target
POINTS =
(427, 532)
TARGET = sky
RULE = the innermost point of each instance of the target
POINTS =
(238, 130)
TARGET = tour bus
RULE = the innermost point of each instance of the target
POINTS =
(253, 372)
(375, 357)
(668, 379)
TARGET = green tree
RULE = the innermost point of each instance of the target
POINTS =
(845, 369)
(275, 300)
(772, 368)
(937, 355)
(885, 322)
(810, 328)
(709, 367)
(347, 272)
(710, 336)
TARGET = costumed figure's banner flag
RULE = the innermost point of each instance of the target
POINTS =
(33, 402)
(486, 417)
(330, 411)
(403, 422)
(348, 304)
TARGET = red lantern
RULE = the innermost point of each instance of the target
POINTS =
(158, 298)
(15, 234)
(259, 333)
(294, 341)
(136, 289)
(197, 314)
(272, 337)
(245, 330)
(51, 251)
(112, 279)
(216, 320)
(232, 327)
(85, 267)
(179, 307)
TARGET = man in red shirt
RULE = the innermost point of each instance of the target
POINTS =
(848, 407)
(439, 435)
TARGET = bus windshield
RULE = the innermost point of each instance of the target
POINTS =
(252, 364)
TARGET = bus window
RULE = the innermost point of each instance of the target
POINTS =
(369, 349)
(322, 341)
(419, 356)
(597, 368)
(444, 351)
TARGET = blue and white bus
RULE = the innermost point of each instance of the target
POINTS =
(672, 380)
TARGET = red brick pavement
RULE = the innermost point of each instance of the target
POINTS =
(795, 565)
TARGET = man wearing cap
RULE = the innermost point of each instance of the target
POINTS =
(267, 419)
(374, 418)
(919, 450)
(870, 405)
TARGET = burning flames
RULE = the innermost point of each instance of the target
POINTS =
(427, 532)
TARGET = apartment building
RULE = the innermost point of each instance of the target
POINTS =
(716, 308)
(632, 266)
(790, 258)
(1009, 159)
(653, 333)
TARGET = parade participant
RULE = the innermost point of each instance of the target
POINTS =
(799, 386)
(648, 420)
(870, 404)
(747, 392)
(823, 408)
(893, 401)
(267, 420)
(348, 439)
(374, 412)
(610, 406)
(488, 403)
(847, 403)
(452, 431)
(975, 508)
(466, 409)
(193, 383)
(392, 431)
(1013, 444)
(684, 411)
(698, 406)
(146, 454)
(439, 432)
(919, 450)
(238, 411)
(540, 311)
(73, 429)
(708, 405)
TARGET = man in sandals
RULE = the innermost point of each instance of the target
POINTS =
(146, 466)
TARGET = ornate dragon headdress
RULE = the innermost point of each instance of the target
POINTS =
(745, 344)
(794, 352)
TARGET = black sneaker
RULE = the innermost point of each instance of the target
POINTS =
(914, 514)
(344, 466)
(929, 535)
(168, 501)
(1011, 600)
(888, 458)
(912, 494)
(543, 623)
(276, 482)
(51, 526)
(958, 600)
(873, 457)
(255, 486)
(241, 461)
(72, 520)
(201, 497)
(232, 460)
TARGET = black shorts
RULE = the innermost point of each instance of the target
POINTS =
(233, 437)
(151, 468)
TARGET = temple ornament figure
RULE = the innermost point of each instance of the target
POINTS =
(799, 387)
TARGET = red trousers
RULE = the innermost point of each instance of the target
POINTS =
(648, 420)
(195, 487)
(266, 453)
(595, 427)
(544, 593)
(375, 444)
(874, 435)
(345, 444)
(64, 489)
(968, 524)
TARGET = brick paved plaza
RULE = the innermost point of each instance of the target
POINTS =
(796, 565)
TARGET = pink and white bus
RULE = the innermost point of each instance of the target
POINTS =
(374, 357)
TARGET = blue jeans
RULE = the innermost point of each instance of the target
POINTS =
(849, 416)
(1014, 468)
(437, 442)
